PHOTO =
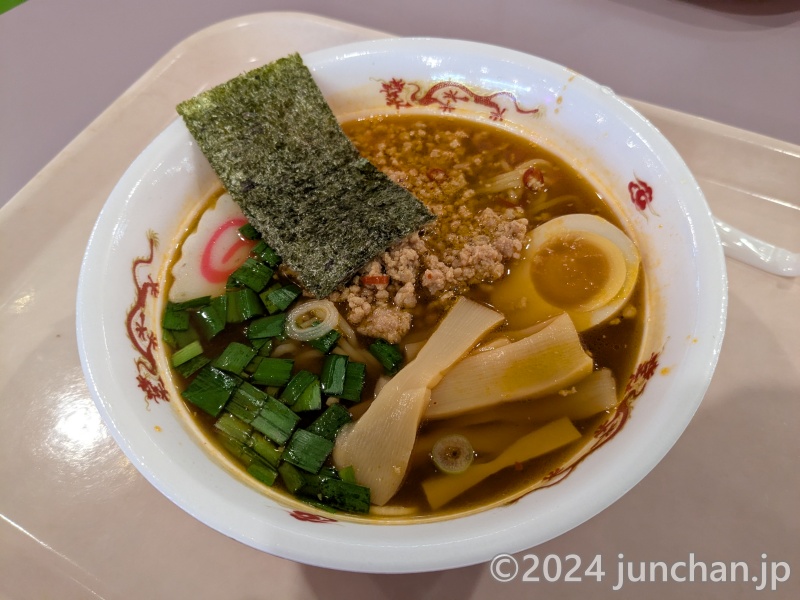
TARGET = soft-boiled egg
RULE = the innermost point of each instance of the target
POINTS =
(580, 264)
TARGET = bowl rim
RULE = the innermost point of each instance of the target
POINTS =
(438, 545)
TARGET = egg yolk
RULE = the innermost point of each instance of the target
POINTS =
(568, 273)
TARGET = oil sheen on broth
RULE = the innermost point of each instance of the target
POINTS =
(457, 168)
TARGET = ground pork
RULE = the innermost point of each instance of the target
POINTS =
(472, 240)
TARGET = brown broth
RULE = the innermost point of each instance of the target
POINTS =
(418, 153)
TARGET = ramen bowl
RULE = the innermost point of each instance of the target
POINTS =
(649, 189)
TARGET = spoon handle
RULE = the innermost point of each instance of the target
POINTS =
(757, 253)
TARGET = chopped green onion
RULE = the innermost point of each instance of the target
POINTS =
(266, 449)
(211, 389)
(262, 345)
(452, 453)
(210, 319)
(345, 495)
(268, 416)
(348, 474)
(252, 366)
(354, 378)
(267, 327)
(310, 399)
(254, 274)
(312, 483)
(307, 451)
(276, 421)
(327, 342)
(243, 304)
(175, 319)
(245, 455)
(168, 338)
(311, 320)
(296, 386)
(292, 478)
(187, 353)
(263, 473)
(388, 355)
(235, 447)
(327, 425)
(283, 296)
(247, 401)
(246, 443)
(319, 505)
(185, 337)
(191, 367)
(273, 371)
(234, 358)
(220, 303)
(248, 232)
(198, 302)
(333, 373)
(235, 429)
(264, 295)
(266, 254)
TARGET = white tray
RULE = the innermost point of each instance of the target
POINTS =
(78, 521)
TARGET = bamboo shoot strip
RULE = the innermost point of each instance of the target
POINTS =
(539, 364)
(441, 489)
(594, 394)
(378, 445)
(279, 151)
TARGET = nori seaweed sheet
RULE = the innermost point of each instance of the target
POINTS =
(279, 151)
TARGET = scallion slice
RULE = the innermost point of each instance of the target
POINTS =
(388, 355)
(175, 319)
(243, 304)
(267, 327)
(452, 454)
(246, 443)
(187, 353)
(266, 475)
(273, 372)
(327, 425)
(234, 428)
(292, 477)
(266, 254)
(247, 401)
(276, 421)
(248, 232)
(264, 295)
(283, 296)
(192, 303)
(333, 374)
(183, 338)
(354, 378)
(348, 474)
(192, 366)
(310, 399)
(263, 346)
(345, 495)
(307, 451)
(327, 342)
(311, 320)
(268, 416)
(211, 389)
(235, 358)
(210, 319)
(254, 274)
(296, 386)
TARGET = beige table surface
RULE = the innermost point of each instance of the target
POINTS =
(78, 521)
(735, 61)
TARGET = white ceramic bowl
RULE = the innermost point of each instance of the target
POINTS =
(650, 189)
